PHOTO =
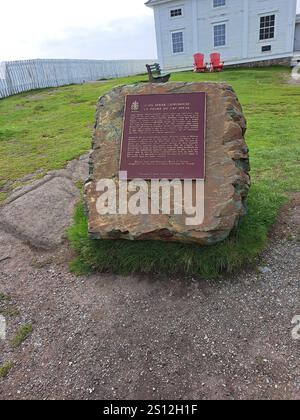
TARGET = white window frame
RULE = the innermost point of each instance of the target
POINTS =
(176, 8)
(263, 41)
(213, 34)
(183, 41)
(219, 6)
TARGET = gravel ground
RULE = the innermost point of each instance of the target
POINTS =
(111, 337)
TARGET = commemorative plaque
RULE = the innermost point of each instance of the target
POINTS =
(164, 136)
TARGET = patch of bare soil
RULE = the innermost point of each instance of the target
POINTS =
(288, 221)
(290, 80)
(113, 337)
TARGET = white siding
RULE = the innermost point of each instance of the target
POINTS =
(242, 19)
(166, 26)
(232, 16)
(283, 43)
(297, 36)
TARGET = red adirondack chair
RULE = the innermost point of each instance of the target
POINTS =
(199, 65)
(215, 62)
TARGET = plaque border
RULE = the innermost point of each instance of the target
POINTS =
(167, 94)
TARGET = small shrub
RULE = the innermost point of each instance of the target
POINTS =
(21, 335)
(5, 369)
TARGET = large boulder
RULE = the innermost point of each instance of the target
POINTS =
(227, 168)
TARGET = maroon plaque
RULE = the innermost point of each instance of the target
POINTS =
(164, 136)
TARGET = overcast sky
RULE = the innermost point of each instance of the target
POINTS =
(95, 29)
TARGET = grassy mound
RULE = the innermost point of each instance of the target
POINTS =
(125, 257)
(43, 130)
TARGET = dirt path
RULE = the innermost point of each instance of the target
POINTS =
(107, 336)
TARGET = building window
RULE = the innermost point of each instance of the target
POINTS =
(176, 13)
(267, 27)
(219, 3)
(220, 35)
(177, 42)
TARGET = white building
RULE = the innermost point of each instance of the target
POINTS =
(243, 31)
(297, 34)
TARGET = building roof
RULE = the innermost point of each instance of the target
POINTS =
(152, 3)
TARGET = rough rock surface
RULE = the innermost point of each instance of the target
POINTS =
(40, 212)
(227, 168)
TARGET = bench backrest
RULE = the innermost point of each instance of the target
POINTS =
(153, 69)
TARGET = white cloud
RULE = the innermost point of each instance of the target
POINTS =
(133, 38)
(29, 24)
(77, 29)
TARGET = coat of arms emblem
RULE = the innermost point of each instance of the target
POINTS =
(135, 106)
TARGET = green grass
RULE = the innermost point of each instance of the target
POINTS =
(5, 369)
(8, 310)
(45, 129)
(11, 312)
(21, 335)
(3, 196)
(155, 257)
(4, 297)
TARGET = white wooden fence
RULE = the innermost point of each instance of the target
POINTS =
(21, 76)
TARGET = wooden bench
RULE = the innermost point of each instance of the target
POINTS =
(155, 74)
